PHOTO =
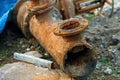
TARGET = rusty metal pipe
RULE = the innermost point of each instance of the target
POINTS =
(71, 52)
(70, 8)
(61, 38)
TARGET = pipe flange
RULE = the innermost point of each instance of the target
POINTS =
(71, 27)
(24, 10)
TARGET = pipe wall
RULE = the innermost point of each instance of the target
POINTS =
(69, 52)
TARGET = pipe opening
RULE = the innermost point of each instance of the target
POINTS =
(79, 61)
(69, 26)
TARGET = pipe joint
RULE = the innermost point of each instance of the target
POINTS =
(71, 27)
(24, 10)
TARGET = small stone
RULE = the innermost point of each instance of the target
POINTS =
(114, 75)
(23, 46)
(90, 38)
(46, 54)
(32, 47)
(118, 72)
(110, 56)
(98, 66)
(118, 46)
(1, 59)
(115, 39)
(21, 42)
(28, 49)
(105, 26)
(108, 70)
(116, 64)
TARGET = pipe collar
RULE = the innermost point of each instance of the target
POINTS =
(71, 27)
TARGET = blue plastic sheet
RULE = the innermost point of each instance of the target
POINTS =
(5, 7)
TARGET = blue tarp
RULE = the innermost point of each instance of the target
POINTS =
(5, 7)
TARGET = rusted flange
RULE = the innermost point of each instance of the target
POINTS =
(24, 10)
(71, 27)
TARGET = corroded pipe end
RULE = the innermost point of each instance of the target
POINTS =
(25, 9)
(71, 27)
(80, 61)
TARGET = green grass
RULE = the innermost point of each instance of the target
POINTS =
(6, 52)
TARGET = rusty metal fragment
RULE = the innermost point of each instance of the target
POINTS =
(61, 38)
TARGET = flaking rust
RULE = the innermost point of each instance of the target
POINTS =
(63, 39)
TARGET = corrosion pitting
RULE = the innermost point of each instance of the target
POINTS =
(61, 37)
(71, 27)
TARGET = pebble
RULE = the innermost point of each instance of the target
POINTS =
(1, 59)
(28, 49)
(21, 42)
(23, 46)
(118, 72)
(90, 38)
(46, 54)
(118, 46)
(110, 56)
(105, 26)
(108, 70)
(98, 66)
(115, 39)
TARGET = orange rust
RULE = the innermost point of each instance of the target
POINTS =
(57, 46)
(71, 27)
(52, 76)
(61, 38)
(28, 8)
